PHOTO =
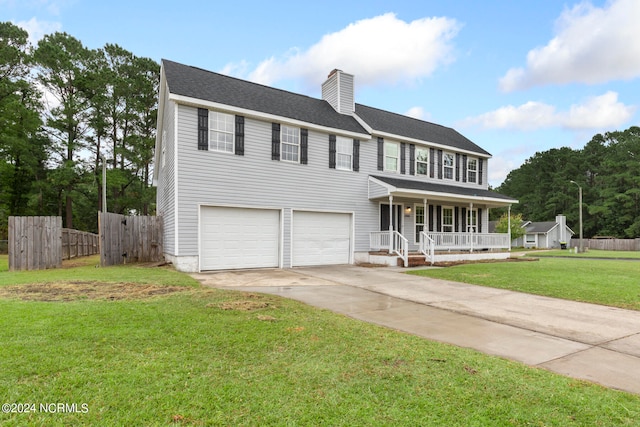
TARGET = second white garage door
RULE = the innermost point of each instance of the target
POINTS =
(321, 238)
(239, 238)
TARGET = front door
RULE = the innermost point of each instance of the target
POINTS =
(396, 218)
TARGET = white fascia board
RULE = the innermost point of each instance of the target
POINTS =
(195, 102)
(364, 124)
(401, 138)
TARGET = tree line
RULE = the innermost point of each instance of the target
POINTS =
(608, 171)
(65, 111)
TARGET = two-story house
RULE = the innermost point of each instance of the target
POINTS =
(251, 176)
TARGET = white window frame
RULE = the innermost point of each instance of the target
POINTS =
(472, 174)
(222, 125)
(290, 139)
(388, 156)
(472, 220)
(446, 167)
(424, 162)
(450, 227)
(419, 226)
(344, 153)
(529, 236)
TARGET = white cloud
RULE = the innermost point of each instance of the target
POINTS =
(418, 113)
(594, 113)
(379, 50)
(500, 166)
(592, 45)
(38, 29)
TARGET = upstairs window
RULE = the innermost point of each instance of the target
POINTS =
(344, 153)
(391, 156)
(448, 165)
(422, 161)
(221, 128)
(472, 170)
(290, 140)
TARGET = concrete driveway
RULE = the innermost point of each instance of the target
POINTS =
(585, 341)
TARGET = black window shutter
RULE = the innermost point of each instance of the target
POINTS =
(380, 153)
(304, 146)
(332, 151)
(403, 158)
(203, 129)
(456, 218)
(438, 218)
(431, 218)
(356, 155)
(479, 221)
(432, 161)
(275, 141)
(465, 220)
(457, 167)
(412, 159)
(480, 171)
(464, 168)
(439, 164)
(239, 136)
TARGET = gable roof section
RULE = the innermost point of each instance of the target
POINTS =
(540, 227)
(408, 127)
(411, 186)
(197, 83)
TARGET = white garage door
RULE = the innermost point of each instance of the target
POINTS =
(239, 238)
(321, 238)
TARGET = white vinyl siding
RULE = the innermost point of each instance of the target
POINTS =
(290, 144)
(422, 161)
(344, 153)
(391, 156)
(221, 129)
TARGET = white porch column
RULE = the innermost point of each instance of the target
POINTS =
(425, 217)
(390, 223)
(509, 227)
(470, 215)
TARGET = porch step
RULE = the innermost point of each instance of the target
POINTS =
(414, 260)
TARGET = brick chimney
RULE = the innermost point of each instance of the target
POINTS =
(339, 91)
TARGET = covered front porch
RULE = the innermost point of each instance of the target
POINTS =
(435, 220)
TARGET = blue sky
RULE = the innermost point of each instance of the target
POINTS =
(515, 77)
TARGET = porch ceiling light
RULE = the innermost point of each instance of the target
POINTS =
(407, 210)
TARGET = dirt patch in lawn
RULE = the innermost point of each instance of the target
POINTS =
(74, 291)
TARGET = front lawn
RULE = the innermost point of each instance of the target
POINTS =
(197, 356)
(608, 282)
(591, 253)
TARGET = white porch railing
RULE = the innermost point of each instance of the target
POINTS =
(427, 247)
(469, 241)
(394, 242)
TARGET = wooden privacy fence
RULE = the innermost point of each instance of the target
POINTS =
(126, 239)
(79, 243)
(35, 242)
(608, 244)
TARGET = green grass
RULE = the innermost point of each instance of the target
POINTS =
(188, 358)
(591, 253)
(608, 282)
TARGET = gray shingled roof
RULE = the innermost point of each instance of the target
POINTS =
(209, 86)
(442, 188)
(202, 84)
(409, 127)
(540, 227)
